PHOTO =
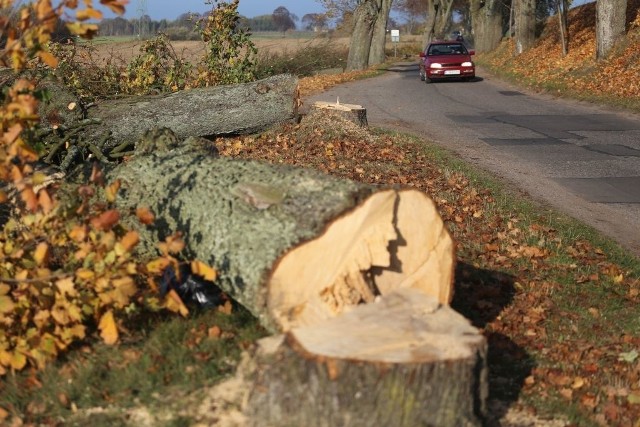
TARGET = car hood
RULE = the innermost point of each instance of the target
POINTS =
(449, 59)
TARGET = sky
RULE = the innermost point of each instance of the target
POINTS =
(170, 9)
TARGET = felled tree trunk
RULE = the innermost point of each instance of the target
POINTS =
(220, 110)
(358, 278)
(292, 245)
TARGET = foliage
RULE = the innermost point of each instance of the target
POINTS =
(577, 74)
(230, 53)
(65, 270)
(78, 70)
(156, 67)
(284, 19)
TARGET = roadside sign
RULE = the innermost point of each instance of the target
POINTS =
(395, 36)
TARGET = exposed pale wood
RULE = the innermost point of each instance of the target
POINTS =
(405, 360)
(393, 240)
(355, 113)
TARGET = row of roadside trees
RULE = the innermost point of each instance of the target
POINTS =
(486, 21)
(280, 20)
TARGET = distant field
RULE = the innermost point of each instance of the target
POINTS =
(125, 48)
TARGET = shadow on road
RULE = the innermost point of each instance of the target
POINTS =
(480, 295)
(404, 67)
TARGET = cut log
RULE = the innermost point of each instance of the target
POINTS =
(405, 360)
(353, 112)
(219, 110)
(294, 246)
(204, 112)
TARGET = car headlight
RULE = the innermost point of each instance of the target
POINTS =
(467, 64)
(435, 65)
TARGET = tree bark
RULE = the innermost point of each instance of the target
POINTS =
(563, 24)
(404, 361)
(487, 24)
(379, 37)
(525, 25)
(293, 246)
(365, 17)
(610, 24)
(430, 24)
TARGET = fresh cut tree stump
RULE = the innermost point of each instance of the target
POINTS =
(405, 360)
(353, 112)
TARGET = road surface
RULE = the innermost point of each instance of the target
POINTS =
(579, 158)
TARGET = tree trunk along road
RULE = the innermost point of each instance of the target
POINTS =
(580, 158)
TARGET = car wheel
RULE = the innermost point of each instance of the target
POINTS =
(422, 76)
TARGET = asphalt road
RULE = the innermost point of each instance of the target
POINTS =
(579, 158)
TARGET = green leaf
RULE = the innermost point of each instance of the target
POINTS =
(629, 356)
(634, 399)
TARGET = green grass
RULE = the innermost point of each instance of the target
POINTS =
(163, 359)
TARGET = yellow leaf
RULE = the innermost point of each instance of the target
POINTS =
(66, 287)
(125, 288)
(6, 304)
(78, 233)
(18, 361)
(85, 274)
(48, 59)
(41, 253)
(108, 328)
(84, 14)
(157, 265)
(83, 30)
(41, 318)
(173, 302)
(112, 191)
(5, 358)
(201, 269)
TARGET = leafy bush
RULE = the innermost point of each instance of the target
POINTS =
(66, 270)
(230, 53)
(157, 68)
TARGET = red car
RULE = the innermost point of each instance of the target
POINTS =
(445, 60)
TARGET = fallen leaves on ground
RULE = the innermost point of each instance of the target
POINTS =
(543, 66)
(544, 301)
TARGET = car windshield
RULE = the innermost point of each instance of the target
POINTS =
(447, 49)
